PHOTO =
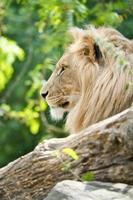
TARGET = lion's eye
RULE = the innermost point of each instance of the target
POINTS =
(61, 70)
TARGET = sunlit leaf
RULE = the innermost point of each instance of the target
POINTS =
(34, 126)
(70, 152)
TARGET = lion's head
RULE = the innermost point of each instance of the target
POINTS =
(90, 79)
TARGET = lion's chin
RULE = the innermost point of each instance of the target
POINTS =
(57, 113)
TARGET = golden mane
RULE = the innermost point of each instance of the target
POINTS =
(106, 86)
(93, 79)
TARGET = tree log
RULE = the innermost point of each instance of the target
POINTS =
(105, 149)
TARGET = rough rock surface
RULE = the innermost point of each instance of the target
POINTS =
(73, 190)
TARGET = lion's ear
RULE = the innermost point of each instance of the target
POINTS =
(91, 49)
(98, 54)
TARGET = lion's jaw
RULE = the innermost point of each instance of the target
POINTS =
(57, 113)
(57, 110)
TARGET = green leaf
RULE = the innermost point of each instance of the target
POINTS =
(70, 152)
(88, 176)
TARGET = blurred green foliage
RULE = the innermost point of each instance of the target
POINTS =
(32, 38)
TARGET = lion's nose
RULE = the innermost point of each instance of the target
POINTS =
(44, 94)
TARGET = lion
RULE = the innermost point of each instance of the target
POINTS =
(93, 79)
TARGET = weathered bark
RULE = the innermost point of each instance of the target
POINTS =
(106, 149)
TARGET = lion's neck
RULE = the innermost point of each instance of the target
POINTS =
(103, 95)
(76, 117)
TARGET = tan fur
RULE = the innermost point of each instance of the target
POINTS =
(95, 88)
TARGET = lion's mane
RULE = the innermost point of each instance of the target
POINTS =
(107, 86)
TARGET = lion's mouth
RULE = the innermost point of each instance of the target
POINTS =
(61, 104)
(64, 105)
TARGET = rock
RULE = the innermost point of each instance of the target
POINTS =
(94, 190)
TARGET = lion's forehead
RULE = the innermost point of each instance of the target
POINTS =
(65, 60)
(62, 61)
